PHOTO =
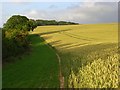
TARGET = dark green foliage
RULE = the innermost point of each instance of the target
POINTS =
(15, 36)
(17, 22)
(14, 42)
(53, 22)
(32, 24)
(63, 23)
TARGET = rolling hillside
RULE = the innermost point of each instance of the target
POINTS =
(81, 49)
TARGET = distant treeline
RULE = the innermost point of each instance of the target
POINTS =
(15, 33)
(53, 22)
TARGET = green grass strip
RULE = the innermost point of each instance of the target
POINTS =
(37, 70)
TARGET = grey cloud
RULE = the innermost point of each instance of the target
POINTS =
(96, 12)
(99, 12)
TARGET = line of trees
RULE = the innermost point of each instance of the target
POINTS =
(15, 33)
(53, 22)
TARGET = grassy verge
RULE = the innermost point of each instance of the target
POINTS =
(37, 70)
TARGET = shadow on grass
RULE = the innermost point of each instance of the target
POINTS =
(62, 45)
(58, 31)
(76, 36)
(70, 46)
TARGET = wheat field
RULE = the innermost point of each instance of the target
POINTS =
(88, 52)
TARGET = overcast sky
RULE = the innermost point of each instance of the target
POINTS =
(80, 12)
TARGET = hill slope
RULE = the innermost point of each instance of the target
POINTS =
(81, 48)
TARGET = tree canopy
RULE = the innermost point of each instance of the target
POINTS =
(53, 22)
(15, 36)
(17, 22)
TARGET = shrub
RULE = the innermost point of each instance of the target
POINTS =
(15, 35)
(14, 42)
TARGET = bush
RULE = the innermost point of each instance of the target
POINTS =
(14, 42)
(15, 35)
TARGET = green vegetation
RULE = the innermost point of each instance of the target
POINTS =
(88, 54)
(14, 42)
(89, 57)
(39, 69)
(17, 22)
(53, 22)
(99, 67)
(32, 24)
(15, 36)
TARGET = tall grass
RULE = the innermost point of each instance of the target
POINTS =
(101, 73)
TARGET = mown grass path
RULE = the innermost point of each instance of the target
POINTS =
(37, 70)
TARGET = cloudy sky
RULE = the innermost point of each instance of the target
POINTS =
(80, 12)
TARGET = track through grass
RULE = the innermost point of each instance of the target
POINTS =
(40, 69)
(79, 47)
